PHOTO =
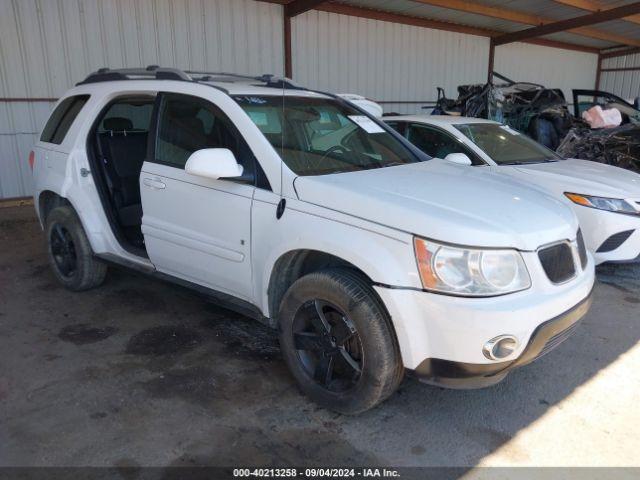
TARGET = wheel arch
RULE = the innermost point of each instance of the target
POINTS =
(47, 201)
(294, 264)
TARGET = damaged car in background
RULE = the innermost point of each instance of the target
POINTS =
(591, 132)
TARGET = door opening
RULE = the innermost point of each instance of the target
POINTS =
(117, 146)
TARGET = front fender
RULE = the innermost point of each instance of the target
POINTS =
(384, 255)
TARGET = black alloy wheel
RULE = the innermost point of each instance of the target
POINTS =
(338, 341)
(70, 255)
(63, 251)
(328, 345)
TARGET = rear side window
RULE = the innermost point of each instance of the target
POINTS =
(62, 118)
(128, 115)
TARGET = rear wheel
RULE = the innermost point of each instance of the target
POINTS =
(338, 342)
(70, 253)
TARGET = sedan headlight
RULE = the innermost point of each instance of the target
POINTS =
(601, 203)
(470, 271)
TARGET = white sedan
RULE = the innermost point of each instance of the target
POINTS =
(605, 198)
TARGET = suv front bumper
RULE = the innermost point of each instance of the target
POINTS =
(472, 375)
(440, 334)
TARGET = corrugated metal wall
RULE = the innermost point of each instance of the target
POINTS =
(623, 84)
(551, 67)
(48, 45)
(384, 61)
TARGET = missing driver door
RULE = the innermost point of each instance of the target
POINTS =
(197, 228)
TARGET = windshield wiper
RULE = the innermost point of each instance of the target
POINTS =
(529, 162)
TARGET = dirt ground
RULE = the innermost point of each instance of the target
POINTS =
(144, 373)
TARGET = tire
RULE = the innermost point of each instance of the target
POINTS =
(355, 312)
(70, 253)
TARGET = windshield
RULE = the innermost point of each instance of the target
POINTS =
(506, 146)
(318, 136)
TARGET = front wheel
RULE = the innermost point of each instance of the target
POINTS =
(338, 341)
(70, 253)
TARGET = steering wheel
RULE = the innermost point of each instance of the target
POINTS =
(333, 149)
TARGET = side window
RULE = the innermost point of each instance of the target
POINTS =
(187, 124)
(128, 115)
(399, 127)
(434, 142)
(122, 135)
(62, 118)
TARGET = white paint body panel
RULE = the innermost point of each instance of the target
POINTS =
(574, 176)
(198, 229)
(446, 202)
(225, 235)
(455, 328)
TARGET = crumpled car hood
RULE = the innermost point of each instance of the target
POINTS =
(443, 201)
(583, 176)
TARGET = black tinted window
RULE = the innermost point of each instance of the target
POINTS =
(61, 119)
(397, 126)
(433, 142)
(188, 124)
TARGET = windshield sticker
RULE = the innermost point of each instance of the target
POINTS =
(366, 124)
(510, 130)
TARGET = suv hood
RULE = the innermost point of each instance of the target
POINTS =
(582, 176)
(443, 201)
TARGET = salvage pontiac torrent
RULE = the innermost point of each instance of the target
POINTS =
(301, 210)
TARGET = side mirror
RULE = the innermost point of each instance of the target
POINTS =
(213, 163)
(459, 158)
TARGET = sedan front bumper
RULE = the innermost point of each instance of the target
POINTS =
(611, 237)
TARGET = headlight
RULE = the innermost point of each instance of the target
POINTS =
(470, 271)
(601, 203)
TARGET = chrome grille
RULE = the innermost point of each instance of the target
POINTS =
(557, 262)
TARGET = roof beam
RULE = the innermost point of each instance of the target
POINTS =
(591, 6)
(297, 7)
(368, 13)
(525, 18)
(563, 25)
(621, 53)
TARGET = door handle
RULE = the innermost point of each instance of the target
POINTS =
(153, 183)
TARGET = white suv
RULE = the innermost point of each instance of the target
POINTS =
(298, 208)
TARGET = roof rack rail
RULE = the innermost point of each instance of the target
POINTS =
(151, 72)
(279, 82)
(156, 72)
(270, 79)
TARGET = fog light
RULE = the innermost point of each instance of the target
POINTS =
(500, 347)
